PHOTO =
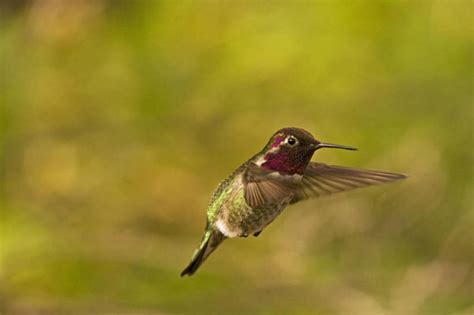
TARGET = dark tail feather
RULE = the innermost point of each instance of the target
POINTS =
(208, 245)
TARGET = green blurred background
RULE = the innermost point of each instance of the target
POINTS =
(119, 118)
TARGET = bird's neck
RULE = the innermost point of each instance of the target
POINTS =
(286, 163)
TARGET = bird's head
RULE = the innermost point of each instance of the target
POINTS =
(289, 151)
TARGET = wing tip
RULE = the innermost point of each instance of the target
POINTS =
(395, 176)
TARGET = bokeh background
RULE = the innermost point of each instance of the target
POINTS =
(119, 118)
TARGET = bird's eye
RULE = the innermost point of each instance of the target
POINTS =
(291, 141)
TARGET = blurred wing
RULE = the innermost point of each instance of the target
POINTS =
(321, 179)
(264, 187)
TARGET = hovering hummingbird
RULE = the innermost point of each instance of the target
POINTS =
(280, 175)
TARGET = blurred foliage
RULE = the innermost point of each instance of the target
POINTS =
(120, 117)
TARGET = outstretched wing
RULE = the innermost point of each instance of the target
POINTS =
(321, 179)
(264, 187)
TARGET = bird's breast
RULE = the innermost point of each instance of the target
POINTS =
(237, 218)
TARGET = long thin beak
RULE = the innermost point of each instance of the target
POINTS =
(334, 146)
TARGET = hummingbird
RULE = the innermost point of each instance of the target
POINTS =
(281, 174)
